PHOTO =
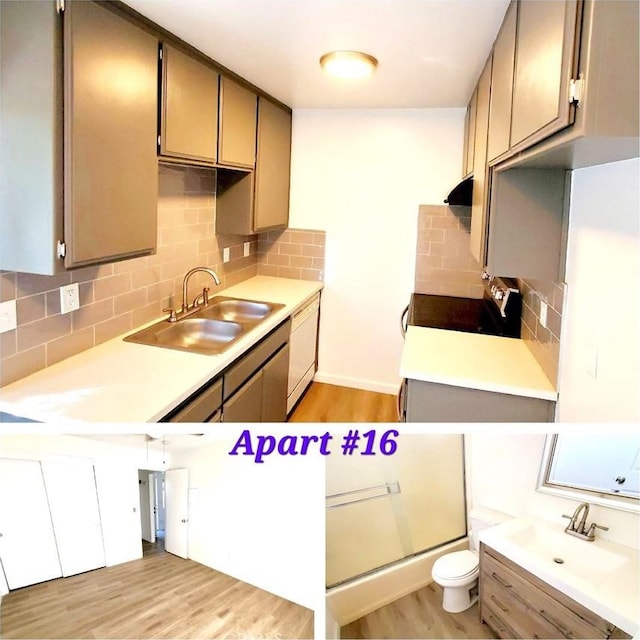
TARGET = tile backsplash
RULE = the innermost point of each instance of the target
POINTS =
(293, 253)
(444, 264)
(118, 297)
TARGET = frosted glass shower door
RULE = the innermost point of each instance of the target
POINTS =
(381, 509)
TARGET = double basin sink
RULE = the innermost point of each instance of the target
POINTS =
(210, 330)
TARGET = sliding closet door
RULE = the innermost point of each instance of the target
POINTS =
(27, 546)
(73, 501)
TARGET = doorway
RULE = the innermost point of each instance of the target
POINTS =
(152, 510)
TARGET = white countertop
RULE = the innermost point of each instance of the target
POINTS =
(121, 381)
(474, 361)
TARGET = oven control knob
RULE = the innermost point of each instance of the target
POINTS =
(498, 294)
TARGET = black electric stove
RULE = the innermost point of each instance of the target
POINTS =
(498, 313)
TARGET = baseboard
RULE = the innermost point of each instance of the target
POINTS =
(357, 383)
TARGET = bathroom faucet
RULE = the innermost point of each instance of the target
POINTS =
(185, 309)
(579, 528)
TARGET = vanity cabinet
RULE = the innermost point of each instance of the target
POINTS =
(79, 176)
(435, 402)
(238, 108)
(517, 604)
(189, 109)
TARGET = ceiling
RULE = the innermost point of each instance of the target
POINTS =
(430, 52)
(154, 441)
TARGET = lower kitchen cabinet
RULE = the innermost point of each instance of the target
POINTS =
(246, 404)
(204, 406)
(433, 402)
(517, 604)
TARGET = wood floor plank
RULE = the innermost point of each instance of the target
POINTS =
(157, 596)
(418, 615)
(331, 403)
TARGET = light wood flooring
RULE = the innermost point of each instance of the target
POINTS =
(157, 596)
(418, 615)
(331, 403)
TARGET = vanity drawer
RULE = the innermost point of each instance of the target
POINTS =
(550, 608)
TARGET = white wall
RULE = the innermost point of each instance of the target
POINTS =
(502, 474)
(361, 175)
(600, 358)
(260, 523)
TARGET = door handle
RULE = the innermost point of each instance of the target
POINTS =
(184, 520)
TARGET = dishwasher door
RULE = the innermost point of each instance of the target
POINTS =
(303, 350)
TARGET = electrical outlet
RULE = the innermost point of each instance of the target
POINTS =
(8, 316)
(69, 298)
(247, 249)
(543, 313)
(225, 254)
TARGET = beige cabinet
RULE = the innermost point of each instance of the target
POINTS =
(469, 136)
(517, 604)
(273, 163)
(238, 110)
(546, 56)
(480, 175)
(499, 137)
(189, 113)
(107, 81)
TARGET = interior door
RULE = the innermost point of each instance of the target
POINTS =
(27, 543)
(73, 502)
(176, 488)
(159, 500)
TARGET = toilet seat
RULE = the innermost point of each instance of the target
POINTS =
(457, 567)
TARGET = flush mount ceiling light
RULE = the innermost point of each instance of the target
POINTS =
(351, 65)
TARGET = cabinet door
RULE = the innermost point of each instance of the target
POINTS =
(545, 47)
(274, 387)
(479, 204)
(238, 122)
(27, 544)
(246, 403)
(469, 136)
(189, 127)
(272, 167)
(502, 85)
(110, 116)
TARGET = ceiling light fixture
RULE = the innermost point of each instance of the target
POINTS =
(351, 65)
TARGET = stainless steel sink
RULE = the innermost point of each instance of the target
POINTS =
(207, 330)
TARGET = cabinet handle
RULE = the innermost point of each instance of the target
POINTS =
(403, 321)
(550, 620)
(400, 402)
(505, 609)
(500, 580)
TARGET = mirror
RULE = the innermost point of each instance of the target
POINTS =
(601, 469)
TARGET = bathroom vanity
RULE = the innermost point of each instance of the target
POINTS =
(538, 582)
(516, 604)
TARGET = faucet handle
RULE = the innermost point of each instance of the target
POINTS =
(205, 296)
(594, 526)
(172, 314)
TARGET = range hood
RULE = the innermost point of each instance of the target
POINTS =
(461, 194)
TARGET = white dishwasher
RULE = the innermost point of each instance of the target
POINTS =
(302, 350)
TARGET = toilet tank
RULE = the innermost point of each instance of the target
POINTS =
(482, 518)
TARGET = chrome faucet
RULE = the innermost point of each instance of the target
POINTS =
(201, 300)
(578, 524)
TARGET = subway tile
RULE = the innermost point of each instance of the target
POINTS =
(28, 284)
(267, 269)
(22, 364)
(311, 274)
(129, 301)
(111, 286)
(87, 274)
(554, 322)
(7, 286)
(128, 266)
(31, 308)
(70, 345)
(146, 314)
(112, 328)
(301, 237)
(289, 272)
(8, 343)
(290, 249)
(42, 331)
(319, 238)
(53, 303)
(145, 277)
(312, 251)
(303, 262)
(92, 314)
(160, 290)
(279, 260)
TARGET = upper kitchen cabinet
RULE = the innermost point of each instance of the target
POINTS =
(469, 136)
(480, 175)
(273, 166)
(546, 56)
(96, 201)
(502, 85)
(238, 120)
(189, 112)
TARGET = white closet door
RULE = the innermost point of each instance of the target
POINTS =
(27, 546)
(73, 501)
(176, 488)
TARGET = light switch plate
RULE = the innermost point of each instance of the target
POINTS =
(543, 313)
(246, 249)
(8, 316)
(225, 254)
(69, 298)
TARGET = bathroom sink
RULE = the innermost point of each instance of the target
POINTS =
(210, 330)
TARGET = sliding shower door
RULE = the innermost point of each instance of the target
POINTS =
(381, 509)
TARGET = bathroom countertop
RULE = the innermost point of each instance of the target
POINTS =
(474, 361)
(121, 381)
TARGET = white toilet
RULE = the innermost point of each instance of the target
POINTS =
(457, 572)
